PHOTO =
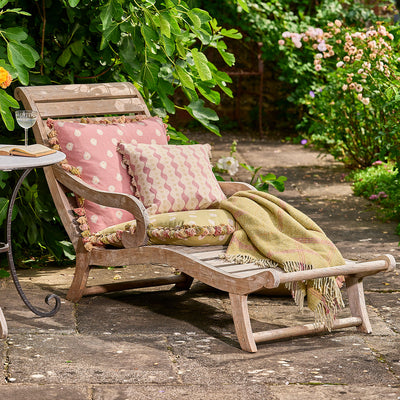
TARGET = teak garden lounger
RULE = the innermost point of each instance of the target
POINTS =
(201, 263)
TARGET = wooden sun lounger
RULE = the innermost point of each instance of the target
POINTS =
(201, 263)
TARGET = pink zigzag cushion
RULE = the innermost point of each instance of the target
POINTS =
(91, 149)
(172, 178)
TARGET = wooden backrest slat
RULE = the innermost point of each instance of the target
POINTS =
(85, 108)
(88, 91)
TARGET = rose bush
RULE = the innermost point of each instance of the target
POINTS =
(353, 103)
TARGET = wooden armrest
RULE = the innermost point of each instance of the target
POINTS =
(385, 263)
(230, 188)
(117, 200)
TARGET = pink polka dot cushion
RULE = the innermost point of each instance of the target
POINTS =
(172, 178)
(91, 150)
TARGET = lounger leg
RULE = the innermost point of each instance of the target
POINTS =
(81, 275)
(355, 292)
(3, 326)
(184, 285)
(241, 319)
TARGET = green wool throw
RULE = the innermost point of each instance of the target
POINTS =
(274, 234)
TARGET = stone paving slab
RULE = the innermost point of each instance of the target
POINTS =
(70, 359)
(24, 320)
(319, 360)
(43, 392)
(183, 391)
(351, 392)
(157, 343)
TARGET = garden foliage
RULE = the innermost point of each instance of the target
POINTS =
(334, 119)
(380, 183)
(158, 45)
(230, 165)
(353, 102)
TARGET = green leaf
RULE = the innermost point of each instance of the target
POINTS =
(172, 21)
(23, 74)
(165, 26)
(164, 89)
(201, 112)
(190, 94)
(204, 115)
(77, 48)
(231, 33)
(149, 36)
(390, 92)
(181, 48)
(170, 3)
(111, 34)
(222, 78)
(210, 95)
(22, 57)
(3, 209)
(169, 45)
(3, 180)
(6, 101)
(195, 19)
(202, 15)
(21, 54)
(250, 168)
(243, 4)
(185, 78)
(68, 249)
(151, 20)
(17, 34)
(149, 75)
(3, 3)
(32, 233)
(204, 36)
(64, 57)
(128, 56)
(73, 3)
(229, 58)
(268, 177)
(111, 11)
(201, 63)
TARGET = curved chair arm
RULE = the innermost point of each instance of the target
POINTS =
(117, 200)
(230, 188)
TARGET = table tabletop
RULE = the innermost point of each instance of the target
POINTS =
(10, 163)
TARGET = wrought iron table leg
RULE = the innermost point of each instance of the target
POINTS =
(11, 259)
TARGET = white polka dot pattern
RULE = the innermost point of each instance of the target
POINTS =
(92, 149)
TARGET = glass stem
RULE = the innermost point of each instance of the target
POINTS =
(26, 137)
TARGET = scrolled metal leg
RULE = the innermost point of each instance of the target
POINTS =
(11, 259)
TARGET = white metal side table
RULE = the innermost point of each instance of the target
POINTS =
(12, 163)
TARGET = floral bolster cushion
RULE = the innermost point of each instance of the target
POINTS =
(186, 228)
(171, 178)
(90, 149)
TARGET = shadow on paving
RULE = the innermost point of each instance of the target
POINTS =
(161, 343)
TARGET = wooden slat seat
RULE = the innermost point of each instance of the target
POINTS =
(201, 263)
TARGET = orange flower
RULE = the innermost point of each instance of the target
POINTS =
(5, 78)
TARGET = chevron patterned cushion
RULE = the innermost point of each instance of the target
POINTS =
(172, 178)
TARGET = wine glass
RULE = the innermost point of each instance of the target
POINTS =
(26, 119)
